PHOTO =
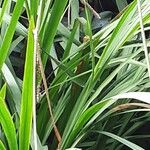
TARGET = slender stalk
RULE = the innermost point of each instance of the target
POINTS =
(47, 94)
(91, 9)
(37, 57)
(40, 65)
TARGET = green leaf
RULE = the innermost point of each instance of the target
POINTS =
(52, 25)
(122, 140)
(12, 86)
(8, 125)
(27, 93)
(71, 38)
(74, 14)
(85, 117)
(3, 92)
(10, 32)
(3, 10)
(2, 147)
(121, 4)
(124, 29)
(19, 27)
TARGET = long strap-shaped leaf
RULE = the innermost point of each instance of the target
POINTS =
(3, 10)
(53, 22)
(10, 31)
(121, 140)
(2, 147)
(27, 93)
(8, 125)
(118, 38)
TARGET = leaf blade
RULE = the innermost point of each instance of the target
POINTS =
(27, 94)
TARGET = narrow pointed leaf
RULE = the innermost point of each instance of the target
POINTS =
(8, 125)
(27, 93)
(2, 147)
(122, 140)
(10, 31)
(3, 92)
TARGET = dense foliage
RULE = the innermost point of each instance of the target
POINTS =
(74, 74)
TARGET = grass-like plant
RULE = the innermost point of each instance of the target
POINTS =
(96, 95)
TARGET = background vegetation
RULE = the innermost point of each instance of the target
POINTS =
(74, 74)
